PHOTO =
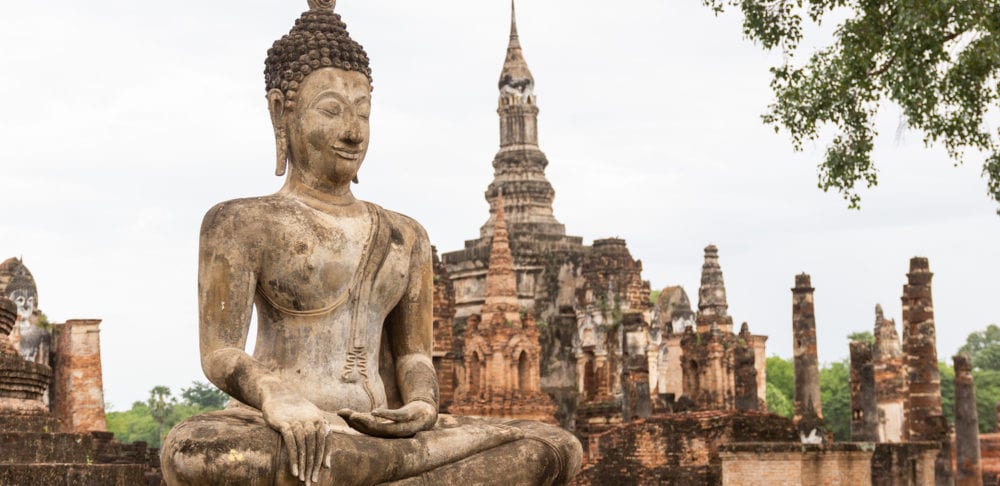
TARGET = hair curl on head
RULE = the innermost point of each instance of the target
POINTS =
(319, 39)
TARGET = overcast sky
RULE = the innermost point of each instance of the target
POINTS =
(124, 121)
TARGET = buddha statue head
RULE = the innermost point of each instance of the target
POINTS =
(319, 96)
(21, 290)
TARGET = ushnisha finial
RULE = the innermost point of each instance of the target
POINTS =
(322, 4)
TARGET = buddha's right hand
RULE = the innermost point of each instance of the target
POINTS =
(304, 429)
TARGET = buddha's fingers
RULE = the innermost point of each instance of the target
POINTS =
(307, 471)
(370, 425)
(300, 441)
(322, 429)
(293, 452)
(397, 415)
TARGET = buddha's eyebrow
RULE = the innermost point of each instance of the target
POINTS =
(339, 97)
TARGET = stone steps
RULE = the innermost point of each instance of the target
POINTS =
(35, 448)
(56, 474)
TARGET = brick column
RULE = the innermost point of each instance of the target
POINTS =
(924, 418)
(808, 402)
(864, 406)
(968, 464)
(79, 393)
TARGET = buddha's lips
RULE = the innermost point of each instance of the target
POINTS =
(348, 154)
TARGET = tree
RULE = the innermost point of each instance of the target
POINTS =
(937, 59)
(835, 391)
(780, 386)
(984, 348)
(160, 404)
(204, 395)
(861, 337)
(148, 421)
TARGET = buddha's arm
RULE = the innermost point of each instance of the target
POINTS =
(411, 336)
(412, 332)
(226, 284)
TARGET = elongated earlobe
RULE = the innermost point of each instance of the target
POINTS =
(281, 146)
(276, 105)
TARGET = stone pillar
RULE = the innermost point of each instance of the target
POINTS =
(760, 362)
(808, 402)
(636, 402)
(968, 465)
(79, 388)
(745, 373)
(924, 418)
(890, 380)
(864, 406)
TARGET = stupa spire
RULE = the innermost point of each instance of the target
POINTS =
(501, 281)
(515, 78)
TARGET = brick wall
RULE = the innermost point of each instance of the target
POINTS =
(79, 385)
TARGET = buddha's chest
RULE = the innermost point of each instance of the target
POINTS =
(312, 267)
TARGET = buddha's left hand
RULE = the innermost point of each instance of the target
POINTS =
(401, 422)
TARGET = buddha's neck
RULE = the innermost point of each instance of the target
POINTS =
(324, 193)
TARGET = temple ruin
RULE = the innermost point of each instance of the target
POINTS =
(52, 421)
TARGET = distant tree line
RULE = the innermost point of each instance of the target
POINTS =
(835, 383)
(150, 421)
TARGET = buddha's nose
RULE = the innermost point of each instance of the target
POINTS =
(352, 134)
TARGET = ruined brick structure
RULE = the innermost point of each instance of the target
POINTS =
(808, 402)
(745, 374)
(845, 463)
(37, 448)
(924, 418)
(445, 355)
(579, 294)
(680, 448)
(501, 349)
(709, 348)
(864, 403)
(968, 467)
(890, 376)
(79, 387)
(989, 449)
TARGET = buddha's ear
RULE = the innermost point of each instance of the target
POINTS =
(276, 106)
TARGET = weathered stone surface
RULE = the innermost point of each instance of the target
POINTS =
(446, 353)
(924, 418)
(502, 351)
(23, 383)
(18, 285)
(904, 464)
(890, 379)
(847, 464)
(708, 349)
(681, 449)
(808, 401)
(864, 403)
(341, 387)
(968, 467)
(31, 449)
(79, 383)
(713, 308)
(745, 375)
(989, 449)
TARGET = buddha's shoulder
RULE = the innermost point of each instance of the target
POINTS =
(411, 230)
(248, 212)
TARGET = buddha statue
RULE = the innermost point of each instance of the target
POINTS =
(340, 388)
(32, 341)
